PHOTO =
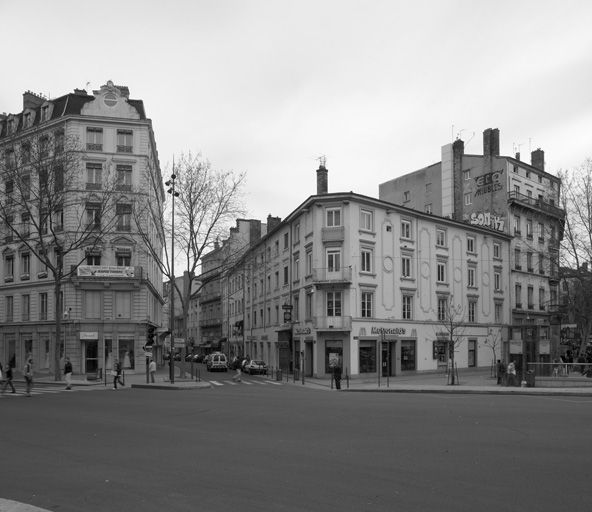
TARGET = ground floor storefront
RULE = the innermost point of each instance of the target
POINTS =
(371, 348)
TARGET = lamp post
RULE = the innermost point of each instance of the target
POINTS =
(171, 184)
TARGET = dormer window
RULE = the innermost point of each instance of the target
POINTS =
(44, 113)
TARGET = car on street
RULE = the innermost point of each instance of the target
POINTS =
(217, 362)
(255, 366)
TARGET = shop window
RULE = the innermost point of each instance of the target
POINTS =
(333, 355)
(367, 356)
(126, 354)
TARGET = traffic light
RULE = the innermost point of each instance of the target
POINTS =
(150, 336)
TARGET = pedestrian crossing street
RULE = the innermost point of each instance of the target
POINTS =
(244, 382)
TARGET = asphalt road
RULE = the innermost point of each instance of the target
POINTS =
(286, 448)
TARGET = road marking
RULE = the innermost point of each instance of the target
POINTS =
(273, 382)
(247, 382)
(216, 383)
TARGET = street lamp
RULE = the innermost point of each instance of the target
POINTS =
(171, 184)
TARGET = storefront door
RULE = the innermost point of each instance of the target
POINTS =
(91, 356)
(388, 359)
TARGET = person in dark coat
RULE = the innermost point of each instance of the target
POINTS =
(8, 379)
(501, 371)
(337, 376)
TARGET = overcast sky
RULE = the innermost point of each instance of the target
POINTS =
(267, 87)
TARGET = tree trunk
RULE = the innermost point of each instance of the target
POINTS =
(58, 330)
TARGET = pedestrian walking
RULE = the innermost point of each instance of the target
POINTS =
(68, 373)
(501, 370)
(28, 373)
(116, 372)
(337, 376)
(152, 370)
(511, 371)
(237, 366)
(7, 374)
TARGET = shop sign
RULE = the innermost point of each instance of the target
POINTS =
(89, 335)
(105, 271)
(396, 331)
(302, 330)
(545, 346)
(515, 346)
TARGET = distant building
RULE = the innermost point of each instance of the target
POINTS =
(364, 283)
(506, 195)
(116, 294)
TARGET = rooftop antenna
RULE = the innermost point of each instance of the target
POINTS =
(470, 139)
(322, 160)
(458, 135)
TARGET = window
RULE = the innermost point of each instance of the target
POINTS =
(407, 306)
(405, 229)
(366, 220)
(286, 276)
(58, 175)
(93, 215)
(308, 306)
(541, 233)
(277, 279)
(333, 260)
(442, 308)
(472, 356)
(123, 258)
(124, 141)
(26, 187)
(541, 299)
(471, 277)
(297, 233)
(308, 263)
(333, 217)
(124, 177)
(25, 265)
(428, 208)
(93, 259)
(518, 291)
(296, 274)
(406, 196)
(26, 307)
(367, 299)
(43, 306)
(286, 240)
(44, 147)
(366, 260)
(468, 199)
(530, 297)
(9, 267)
(497, 250)
(25, 225)
(405, 266)
(333, 303)
(517, 263)
(58, 141)
(497, 281)
(58, 220)
(499, 316)
(467, 174)
(26, 153)
(529, 266)
(94, 177)
(441, 272)
(529, 229)
(517, 189)
(517, 225)
(296, 309)
(9, 308)
(124, 217)
(472, 312)
(541, 264)
(471, 244)
(440, 237)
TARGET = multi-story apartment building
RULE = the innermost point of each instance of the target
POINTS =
(115, 293)
(367, 283)
(506, 195)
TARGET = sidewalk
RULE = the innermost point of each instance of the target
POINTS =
(471, 381)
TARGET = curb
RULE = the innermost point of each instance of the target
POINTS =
(17, 506)
(173, 387)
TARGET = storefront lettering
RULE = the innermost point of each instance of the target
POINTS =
(302, 330)
(488, 219)
(397, 331)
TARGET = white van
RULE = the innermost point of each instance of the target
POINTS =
(217, 361)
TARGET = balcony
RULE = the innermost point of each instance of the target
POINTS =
(329, 276)
(332, 323)
(536, 204)
(94, 147)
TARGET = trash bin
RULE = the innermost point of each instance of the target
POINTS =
(530, 379)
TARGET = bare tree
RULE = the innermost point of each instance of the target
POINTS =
(208, 202)
(46, 208)
(453, 325)
(576, 248)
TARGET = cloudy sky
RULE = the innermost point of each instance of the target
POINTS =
(268, 86)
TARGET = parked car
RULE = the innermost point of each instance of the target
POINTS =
(217, 362)
(255, 366)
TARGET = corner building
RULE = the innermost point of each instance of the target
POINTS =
(116, 293)
(365, 282)
(506, 195)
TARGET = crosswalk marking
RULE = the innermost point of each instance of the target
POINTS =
(216, 383)
(50, 391)
(264, 382)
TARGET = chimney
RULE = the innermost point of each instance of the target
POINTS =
(80, 92)
(458, 147)
(32, 100)
(322, 178)
(537, 159)
(272, 223)
(491, 142)
(518, 156)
